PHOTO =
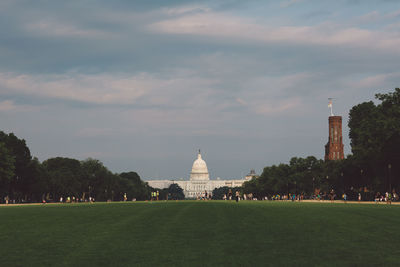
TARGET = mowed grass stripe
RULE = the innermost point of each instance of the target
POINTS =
(200, 233)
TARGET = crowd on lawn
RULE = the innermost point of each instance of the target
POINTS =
(355, 196)
(387, 197)
(68, 199)
(204, 196)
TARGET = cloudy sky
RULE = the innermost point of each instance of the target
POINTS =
(141, 85)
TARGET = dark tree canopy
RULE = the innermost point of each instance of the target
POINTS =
(218, 193)
(19, 151)
(175, 192)
(131, 176)
(375, 140)
(24, 179)
(7, 167)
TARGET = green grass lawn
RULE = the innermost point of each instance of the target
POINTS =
(194, 233)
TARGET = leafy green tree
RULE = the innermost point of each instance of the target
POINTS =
(26, 179)
(7, 169)
(304, 173)
(132, 176)
(38, 183)
(250, 187)
(22, 156)
(65, 177)
(218, 193)
(276, 179)
(99, 181)
(175, 192)
(300, 176)
(365, 135)
(138, 188)
(375, 141)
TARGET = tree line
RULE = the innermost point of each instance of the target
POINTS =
(25, 179)
(373, 168)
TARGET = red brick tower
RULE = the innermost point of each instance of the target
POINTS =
(334, 147)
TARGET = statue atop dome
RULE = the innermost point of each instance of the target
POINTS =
(199, 170)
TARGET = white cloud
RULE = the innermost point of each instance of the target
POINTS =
(273, 108)
(239, 29)
(11, 106)
(52, 27)
(176, 98)
(369, 17)
(375, 17)
(7, 105)
(149, 95)
(275, 95)
(95, 132)
(241, 101)
(290, 3)
(99, 89)
(393, 15)
(377, 81)
(180, 10)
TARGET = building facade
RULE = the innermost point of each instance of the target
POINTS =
(334, 147)
(199, 181)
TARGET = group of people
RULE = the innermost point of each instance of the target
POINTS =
(73, 200)
(155, 195)
(204, 196)
(230, 196)
(387, 197)
(291, 197)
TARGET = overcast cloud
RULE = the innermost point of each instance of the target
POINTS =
(141, 85)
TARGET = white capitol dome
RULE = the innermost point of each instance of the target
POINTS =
(199, 181)
(199, 170)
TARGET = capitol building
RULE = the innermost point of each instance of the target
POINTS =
(199, 181)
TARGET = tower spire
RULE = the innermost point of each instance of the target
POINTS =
(334, 147)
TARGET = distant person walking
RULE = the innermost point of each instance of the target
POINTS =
(389, 199)
(359, 197)
(237, 196)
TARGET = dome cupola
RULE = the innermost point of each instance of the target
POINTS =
(199, 169)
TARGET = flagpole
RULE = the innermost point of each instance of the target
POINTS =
(330, 106)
